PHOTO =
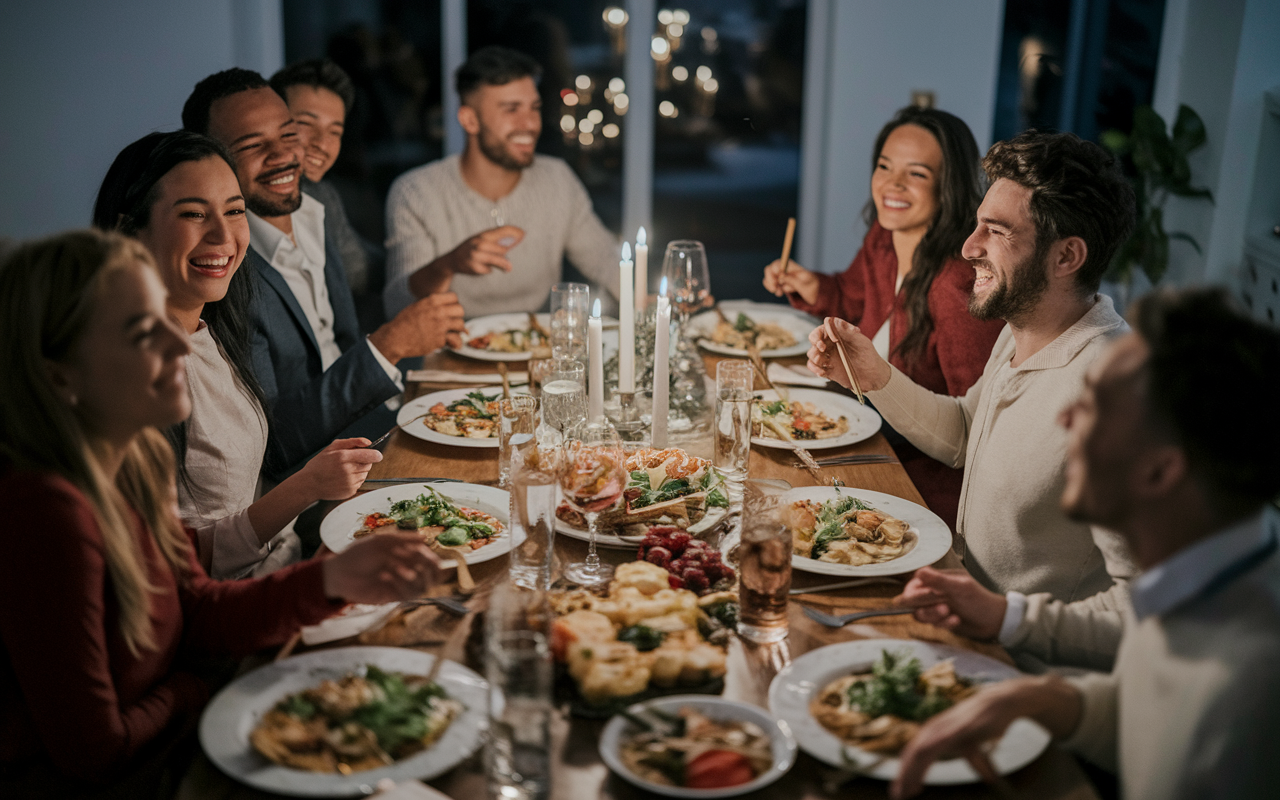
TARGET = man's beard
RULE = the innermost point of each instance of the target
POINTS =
(495, 150)
(268, 204)
(1015, 298)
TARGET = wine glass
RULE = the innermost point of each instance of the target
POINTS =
(688, 281)
(593, 474)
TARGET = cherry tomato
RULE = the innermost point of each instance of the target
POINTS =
(716, 769)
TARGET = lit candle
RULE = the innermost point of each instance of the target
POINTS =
(626, 324)
(642, 271)
(661, 344)
(595, 387)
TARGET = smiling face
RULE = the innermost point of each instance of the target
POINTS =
(256, 126)
(321, 117)
(505, 122)
(1011, 276)
(904, 181)
(128, 371)
(197, 232)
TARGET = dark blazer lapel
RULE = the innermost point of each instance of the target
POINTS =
(276, 281)
(346, 326)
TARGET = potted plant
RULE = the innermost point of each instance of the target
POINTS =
(1159, 169)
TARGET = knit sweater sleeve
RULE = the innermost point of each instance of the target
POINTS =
(1096, 736)
(1085, 633)
(411, 244)
(589, 244)
(936, 423)
(54, 583)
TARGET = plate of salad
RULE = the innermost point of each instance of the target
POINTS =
(458, 417)
(452, 514)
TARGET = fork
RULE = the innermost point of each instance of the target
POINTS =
(839, 621)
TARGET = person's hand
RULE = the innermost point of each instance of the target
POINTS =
(484, 252)
(382, 568)
(421, 328)
(952, 599)
(873, 371)
(336, 472)
(797, 280)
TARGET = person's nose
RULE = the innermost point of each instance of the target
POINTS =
(178, 345)
(972, 248)
(219, 231)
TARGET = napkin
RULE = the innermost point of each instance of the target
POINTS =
(795, 376)
(354, 619)
(446, 376)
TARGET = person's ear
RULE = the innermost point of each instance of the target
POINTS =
(1162, 470)
(63, 380)
(469, 120)
(1067, 257)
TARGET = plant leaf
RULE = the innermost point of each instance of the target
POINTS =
(1153, 153)
(1115, 141)
(1188, 238)
(1188, 130)
(1156, 258)
(1185, 190)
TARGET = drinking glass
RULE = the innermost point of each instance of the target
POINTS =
(569, 308)
(732, 430)
(540, 362)
(564, 394)
(518, 414)
(688, 281)
(764, 569)
(535, 492)
(593, 474)
(518, 666)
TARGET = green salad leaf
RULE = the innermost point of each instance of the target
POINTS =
(894, 689)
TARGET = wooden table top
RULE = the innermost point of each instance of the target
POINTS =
(577, 769)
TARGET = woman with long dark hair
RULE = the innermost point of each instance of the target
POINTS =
(108, 616)
(177, 193)
(908, 286)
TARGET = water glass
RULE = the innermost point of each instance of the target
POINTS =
(517, 754)
(734, 383)
(569, 309)
(518, 414)
(688, 279)
(764, 568)
(564, 394)
(540, 362)
(535, 492)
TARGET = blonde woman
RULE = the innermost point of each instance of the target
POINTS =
(106, 610)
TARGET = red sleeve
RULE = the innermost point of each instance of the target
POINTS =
(52, 584)
(241, 617)
(963, 342)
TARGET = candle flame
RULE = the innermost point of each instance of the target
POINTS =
(626, 251)
(641, 239)
(595, 310)
(662, 287)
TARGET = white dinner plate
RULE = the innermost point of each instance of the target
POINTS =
(496, 323)
(796, 322)
(800, 681)
(420, 405)
(233, 713)
(715, 708)
(338, 529)
(864, 422)
(623, 542)
(928, 536)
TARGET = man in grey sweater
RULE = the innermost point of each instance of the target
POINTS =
(457, 224)
(1173, 444)
(1056, 211)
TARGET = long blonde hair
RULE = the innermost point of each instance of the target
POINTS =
(48, 291)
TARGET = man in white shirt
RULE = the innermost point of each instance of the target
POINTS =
(321, 377)
(498, 206)
(1173, 444)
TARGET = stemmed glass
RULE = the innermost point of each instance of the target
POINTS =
(688, 281)
(593, 474)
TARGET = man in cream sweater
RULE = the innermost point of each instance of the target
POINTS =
(1056, 211)
(1173, 444)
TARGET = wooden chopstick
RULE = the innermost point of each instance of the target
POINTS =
(848, 370)
(753, 355)
(506, 380)
(786, 244)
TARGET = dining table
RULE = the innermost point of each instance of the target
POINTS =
(577, 769)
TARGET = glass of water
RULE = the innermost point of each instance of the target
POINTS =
(518, 414)
(732, 430)
(518, 666)
(564, 394)
(569, 309)
(535, 492)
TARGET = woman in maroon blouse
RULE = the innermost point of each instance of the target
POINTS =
(108, 618)
(908, 288)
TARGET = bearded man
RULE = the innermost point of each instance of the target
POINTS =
(1057, 209)
(498, 206)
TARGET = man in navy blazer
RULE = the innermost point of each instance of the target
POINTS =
(322, 379)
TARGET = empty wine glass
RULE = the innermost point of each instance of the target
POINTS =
(688, 281)
(593, 474)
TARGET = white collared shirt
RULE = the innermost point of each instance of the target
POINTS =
(300, 260)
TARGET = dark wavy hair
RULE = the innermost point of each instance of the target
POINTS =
(959, 192)
(125, 199)
(1077, 189)
(1200, 337)
(494, 66)
(195, 112)
(318, 73)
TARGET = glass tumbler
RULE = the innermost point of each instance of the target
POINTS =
(517, 755)
(569, 310)
(732, 430)
(518, 414)
(764, 569)
(535, 492)
(564, 394)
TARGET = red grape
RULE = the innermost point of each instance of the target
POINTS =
(658, 555)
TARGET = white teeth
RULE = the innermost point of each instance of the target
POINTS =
(211, 262)
(896, 204)
(281, 180)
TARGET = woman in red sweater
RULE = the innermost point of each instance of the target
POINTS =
(108, 618)
(908, 288)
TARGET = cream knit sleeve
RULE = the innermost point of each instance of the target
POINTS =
(589, 245)
(1096, 737)
(411, 244)
(935, 423)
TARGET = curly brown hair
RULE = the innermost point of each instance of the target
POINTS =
(1077, 189)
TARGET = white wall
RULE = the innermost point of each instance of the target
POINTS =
(877, 52)
(82, 79)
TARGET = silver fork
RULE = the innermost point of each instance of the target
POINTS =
(834, 621)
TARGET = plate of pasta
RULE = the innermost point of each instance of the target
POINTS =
(814, 418)
(777, 330)
(861, 533)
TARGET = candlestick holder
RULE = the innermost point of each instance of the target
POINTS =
(623, 411)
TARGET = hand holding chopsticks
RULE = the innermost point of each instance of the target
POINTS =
(861, 367)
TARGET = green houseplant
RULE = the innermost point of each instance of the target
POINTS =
(1160, 169)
